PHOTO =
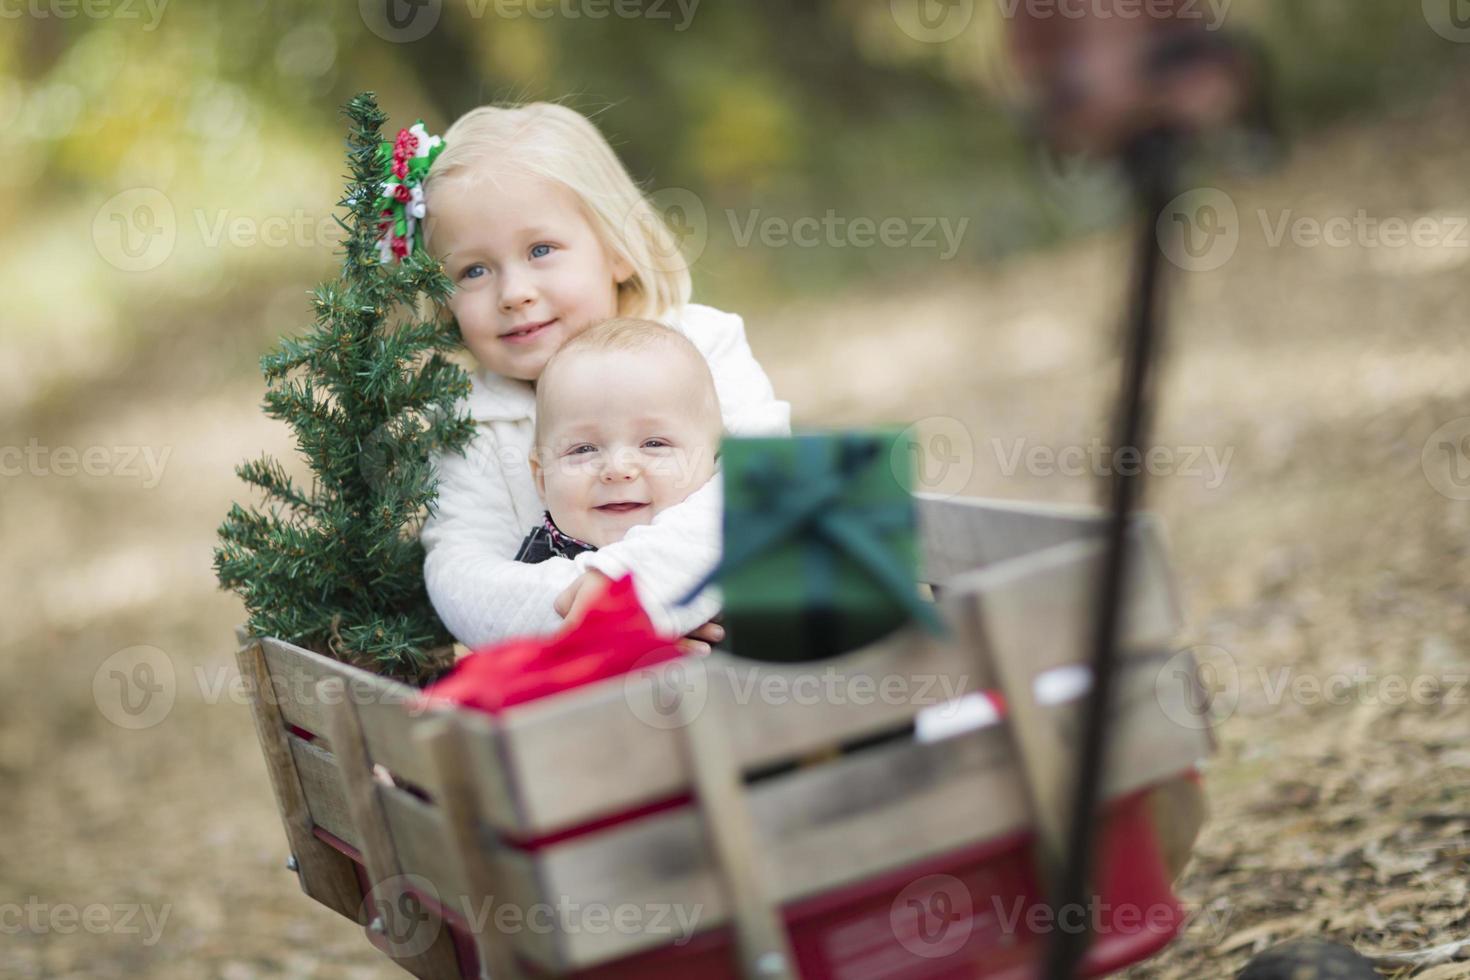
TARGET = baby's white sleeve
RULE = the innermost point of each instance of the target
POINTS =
(669, 557)
(480, 592)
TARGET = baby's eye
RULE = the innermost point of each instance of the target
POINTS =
(656, 443)
(473, 272)
(581, 450)
(541, 251)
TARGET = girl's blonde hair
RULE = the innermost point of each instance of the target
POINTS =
(560, 144)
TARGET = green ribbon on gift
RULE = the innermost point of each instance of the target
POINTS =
(814, 504)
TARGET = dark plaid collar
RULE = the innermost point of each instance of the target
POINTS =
(550, 541)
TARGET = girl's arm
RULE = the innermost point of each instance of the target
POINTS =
(480, 593)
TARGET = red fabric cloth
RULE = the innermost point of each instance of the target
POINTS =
(614, 637)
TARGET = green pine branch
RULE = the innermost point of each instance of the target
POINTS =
(369, 396)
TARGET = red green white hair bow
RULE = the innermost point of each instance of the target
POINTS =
(404, 162)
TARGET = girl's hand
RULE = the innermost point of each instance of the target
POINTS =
(700, 641)
(573, 602)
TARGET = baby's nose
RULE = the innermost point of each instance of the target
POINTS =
(621, 466)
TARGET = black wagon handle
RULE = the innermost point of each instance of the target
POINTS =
(1152, 166)
(1151, 140)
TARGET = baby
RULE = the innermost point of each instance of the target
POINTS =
(627, 424)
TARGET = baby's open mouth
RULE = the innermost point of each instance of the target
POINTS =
(621, 508)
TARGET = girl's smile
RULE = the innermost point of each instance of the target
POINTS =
(528, 333)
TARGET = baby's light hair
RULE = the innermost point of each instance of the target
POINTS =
(635, 335)
(560, 144)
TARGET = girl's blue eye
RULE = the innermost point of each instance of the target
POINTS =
(473, 272)
(537, 253)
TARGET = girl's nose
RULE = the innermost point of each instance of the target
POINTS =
(515, 291)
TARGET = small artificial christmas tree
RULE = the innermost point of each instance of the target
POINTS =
(369, 394)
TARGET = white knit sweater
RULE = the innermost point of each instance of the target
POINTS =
(488, 502)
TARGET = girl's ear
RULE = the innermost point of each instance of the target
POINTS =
(622, 268)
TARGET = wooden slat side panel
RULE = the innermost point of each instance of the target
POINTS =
(324, 874)
(388, 729)
(481, 743)
(624, 741)
(960, 534)
(1038, 609)
(424, 845)
(417, 943)
(862, 815)
(1033, 607)
(454, 790)
(322, 784)
(295, 673)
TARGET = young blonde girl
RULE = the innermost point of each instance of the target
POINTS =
(543, 233)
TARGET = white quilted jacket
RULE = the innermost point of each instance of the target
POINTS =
(488, 503)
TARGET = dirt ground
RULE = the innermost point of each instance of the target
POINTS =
(1321, 550)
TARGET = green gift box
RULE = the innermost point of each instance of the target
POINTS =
(820, 553)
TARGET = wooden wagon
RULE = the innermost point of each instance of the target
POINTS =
(721, 817)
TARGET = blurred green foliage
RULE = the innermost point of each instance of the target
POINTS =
(764, 109)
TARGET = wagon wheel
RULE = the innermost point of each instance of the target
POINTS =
(1308, 959)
